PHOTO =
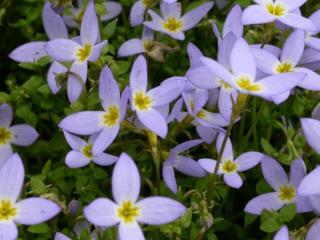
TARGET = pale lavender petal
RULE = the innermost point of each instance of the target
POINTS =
(169, 178)
(209, 165)
(256, 14)
(96, 51)
(125, 180)
(311, 131)
(76, 80)
(202, 77)
(267, 201)
(228, 149)
(105, 138)
(83, 123)
(295, 41)
(170, 10)
(207, 134)
(109, 91)
(310, 56)
(233, 22)
(282, 234)
(248, 160)
(29, 52)
(265, 61)
(5, 153)
(130, 231)
(64, 50)
(131, 47)
(55, 69)
(303, 204)
(312, 80)
(104, 159)
(35, 210)
(187, 145)
(225, 49)
(138, 75)
(89, 26)
(8, 230)
(194, 54)
(5, 115)
(293, 4)
(315, 18)
(225, 103)
(210, 119)
(60, 236)
(297, 21)
(12, 177)
(101, 212)
(313, 42)
(75, 142)
(75, 159)
(154, 121)
(315, 202)
(273, 173)
(308, 186)
(176, 110)
(53, 23)
(297, 172)
(314, 231)
(233, 180)
(191, 18)
(159, 210)
(240, 51)
(168, 91)
(23, 135)
(189, 167)
(113, 10)
(137, 13)
(147, 34)
(125, 96)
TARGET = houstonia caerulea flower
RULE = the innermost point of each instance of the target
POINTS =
(243, 74)
(284, 11)
(144, 102)
(127, 211)
(172, 23)
(20, 134)
(282, 234)
(81, 154)
(229, 167)
(112, 8)
(107, 122)
(66, 50)
(311, 39)
(29, 211)
(311, 130)
(183, 164)
(285, 189)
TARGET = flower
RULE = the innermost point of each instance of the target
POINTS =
(60, 236)
(185, 165)
(282, 234)
(243, 74)
(311, 131)
(144, 102)
(127, 210)
(311, 39)
(107, 122)
(79, 53)
(229, 167)
(285, 190)
(171, 21)
(82, 154)
(29, 211)
(284, 11)
(20, 134)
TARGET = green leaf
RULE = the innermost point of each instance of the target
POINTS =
(271, 225)
(109, 30)
(39, 228)
(287, 213)
(267, 147)
(37, 185)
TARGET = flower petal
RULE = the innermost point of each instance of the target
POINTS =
(109, 91)
(159, 210)
(154, 121)
(5, 115)
(233, 180)
(293, 4)
(282, 234)
(89, 26)
(131, 47)
(187, 145)
(314, 231)
(208, 165)
(267, 201)
(139, 75)
(113, 9)
(266, 61)
(311, 131)
(62, 49)
(313, 42)
(105, 138)
(312, 80)
(96, 51)
(74, 141)
(233, 22)
(202, 77)
(29, 52)
(125, 180)
(75, 159)
(76, 80)
(101, 212)
(137, 13)
(256, 14)
(35, 210)
(130, 231)
(308, 186)
(248, 160)
(60, 236)
(189, 167)
(105, 159)
(303, 204)
(194, 54)
(170, 10)
(228, 149)
(5, 153)
(169, 178)
(8, 230)
(295, 41)
(297, 172)
(193, 17)
(299, 22)
(23, 135)
(55, 69)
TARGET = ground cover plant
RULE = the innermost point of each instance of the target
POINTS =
(184, 120)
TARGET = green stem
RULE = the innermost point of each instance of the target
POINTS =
(153, 141)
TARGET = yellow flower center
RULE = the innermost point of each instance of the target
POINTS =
(148, 3)
(7, 210)
(172, 24)
(128, 212)
(276, 9)
(225, 86)
(284, 67)
(202, 114)
(141, 101)
(84, 52)
(87, 151)
(148, 45)
(112, 115)
(287, 193)
(245, 83)
(5, 135)
(229, 166)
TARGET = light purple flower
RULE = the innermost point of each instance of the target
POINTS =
(105, 123)
(79, 53)
(60, 236)
(284, 11)
(144, 102)
(311, 131)
(185, 165)
(29, 211)
(310, 59)
(282, 234)
(243, 74)
(127, 211)
(285, 189)
(20, 134)
(113, 9)
(314, 232)
(81, 154)
(311, 39)
(172, 23)
(229, 167)
(308, 185)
